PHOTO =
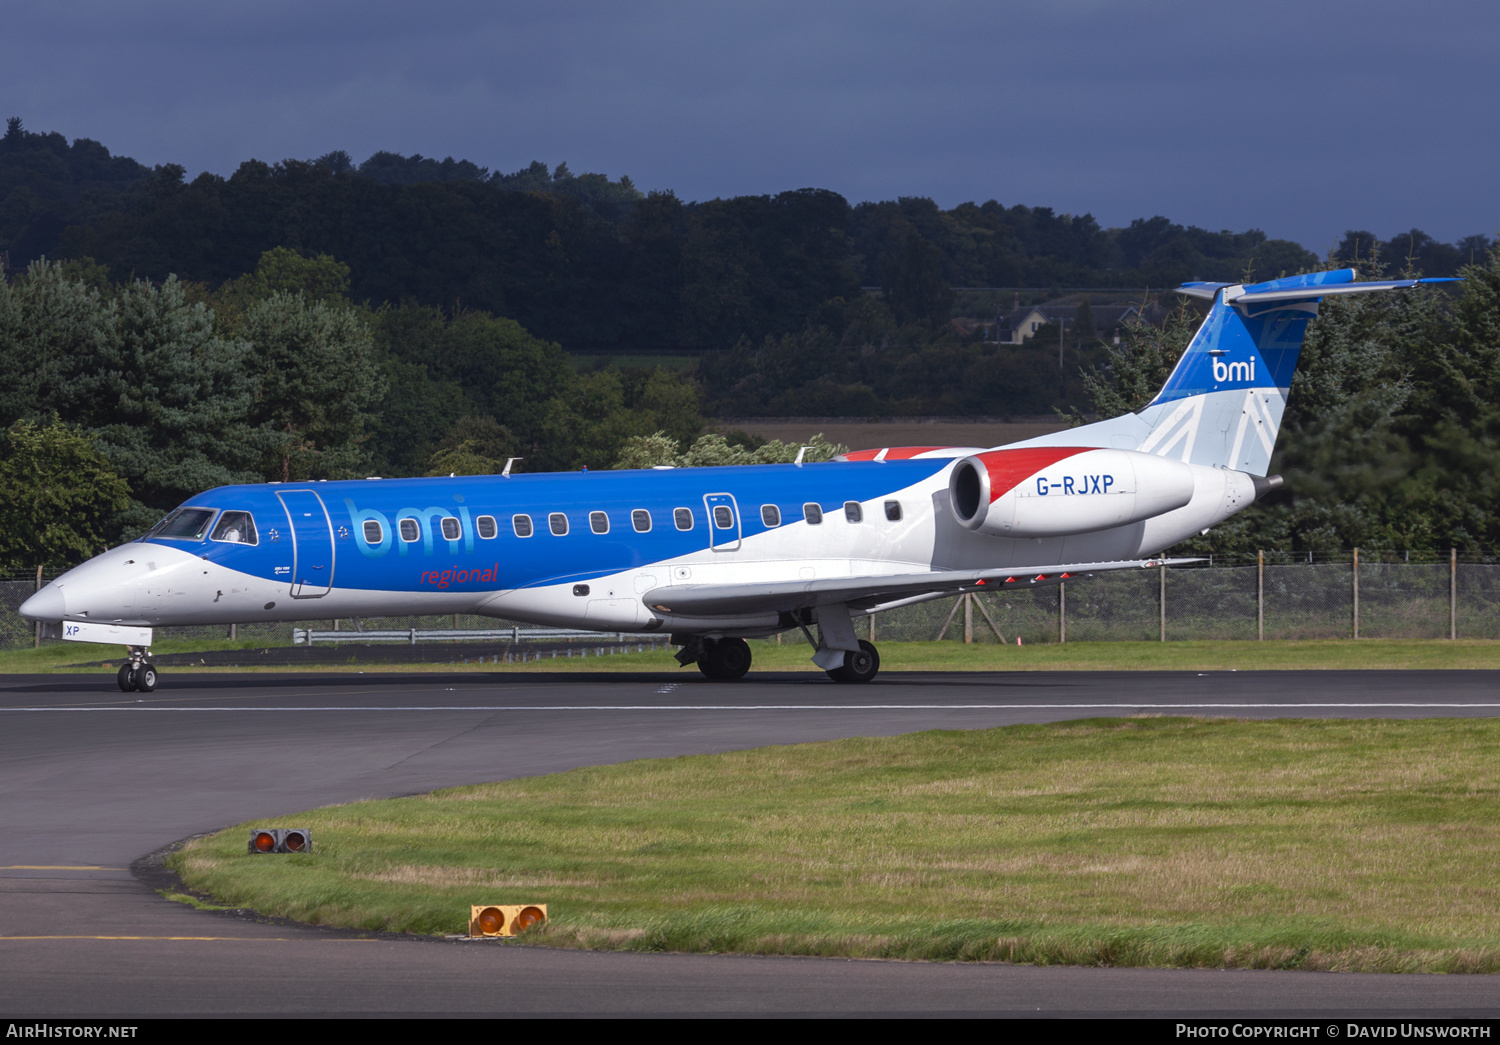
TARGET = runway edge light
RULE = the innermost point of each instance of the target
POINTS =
(499, 919)
(280, 840)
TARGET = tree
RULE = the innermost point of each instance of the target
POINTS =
(713, 449)
(1454, 414)
(140, 370)
(1136, 369)
(474, 446)
(318, 382)
(914, 284)
(167, 400)
(60, 502)
(281, 271)
(1083, 323)
(54, 332)
(1341, 449)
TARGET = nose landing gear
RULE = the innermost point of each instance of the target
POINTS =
(140, 674)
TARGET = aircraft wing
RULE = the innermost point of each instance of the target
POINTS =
(870, 593)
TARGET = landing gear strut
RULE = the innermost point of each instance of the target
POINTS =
(139, 674)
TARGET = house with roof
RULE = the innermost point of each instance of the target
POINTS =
(1020, 324)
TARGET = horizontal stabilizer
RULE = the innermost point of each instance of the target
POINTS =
(1305, 293)
(1307, 287)
(1206, 291)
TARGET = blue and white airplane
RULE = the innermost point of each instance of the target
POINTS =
(714, 556)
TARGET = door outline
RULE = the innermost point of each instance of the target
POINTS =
(712, 500)
(310, 538)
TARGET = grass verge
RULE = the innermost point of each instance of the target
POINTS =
(1304, 655)
(1337, 845)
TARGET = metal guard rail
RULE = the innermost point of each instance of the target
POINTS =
(309, 637)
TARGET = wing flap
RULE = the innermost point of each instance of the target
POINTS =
(724, 600)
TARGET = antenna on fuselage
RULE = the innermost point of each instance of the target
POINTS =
(508, 462)
(800, 451)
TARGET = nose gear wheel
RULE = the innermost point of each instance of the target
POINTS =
(139, 674)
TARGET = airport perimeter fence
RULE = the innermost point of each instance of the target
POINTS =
(1312, 596)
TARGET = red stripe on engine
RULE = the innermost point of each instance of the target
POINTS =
(1008, 468)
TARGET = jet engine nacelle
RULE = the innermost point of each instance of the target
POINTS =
(1053, 491)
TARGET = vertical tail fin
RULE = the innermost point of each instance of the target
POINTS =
(1223, 403)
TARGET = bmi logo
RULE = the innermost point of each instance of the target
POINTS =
(1234, 371)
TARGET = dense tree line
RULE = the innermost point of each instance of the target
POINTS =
(123, 399)
(856, 359)
(592, 263)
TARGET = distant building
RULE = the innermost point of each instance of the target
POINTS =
(1019, 324)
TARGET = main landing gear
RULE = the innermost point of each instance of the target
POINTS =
(858, 667)
(138, 675)
(837, 651)
(722, 659)
(728, 659)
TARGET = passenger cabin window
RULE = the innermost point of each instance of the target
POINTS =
(853, 512)
(683, 517)
(374, 532)
(235, 528)
(184, 524)
(641, 520)
(521, 524)
(770, 515)
(598, 522)
(893, 511)
(486, 527)
(452, 529)
(559, 524)
(813, 513)
(723, 517)
(410, 531)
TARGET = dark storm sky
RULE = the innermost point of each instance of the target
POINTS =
(1302, 119)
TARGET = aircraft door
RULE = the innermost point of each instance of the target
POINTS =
(723, 522)
(312, 543)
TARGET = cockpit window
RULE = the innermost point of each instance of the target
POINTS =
(184, 524)
(235, 528)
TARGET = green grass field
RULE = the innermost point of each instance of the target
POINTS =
(1307, 655)
(1339, 845)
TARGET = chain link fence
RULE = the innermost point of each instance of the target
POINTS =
(1283, 597)
(1314, 597)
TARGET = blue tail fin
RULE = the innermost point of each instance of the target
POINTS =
(1223, 403)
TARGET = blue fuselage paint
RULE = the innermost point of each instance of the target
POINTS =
(472, 562)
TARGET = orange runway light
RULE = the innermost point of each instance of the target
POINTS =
(280, 840)
(504, 919)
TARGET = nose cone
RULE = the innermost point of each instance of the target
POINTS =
(46, 604)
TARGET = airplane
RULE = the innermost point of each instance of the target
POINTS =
(715, 556)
